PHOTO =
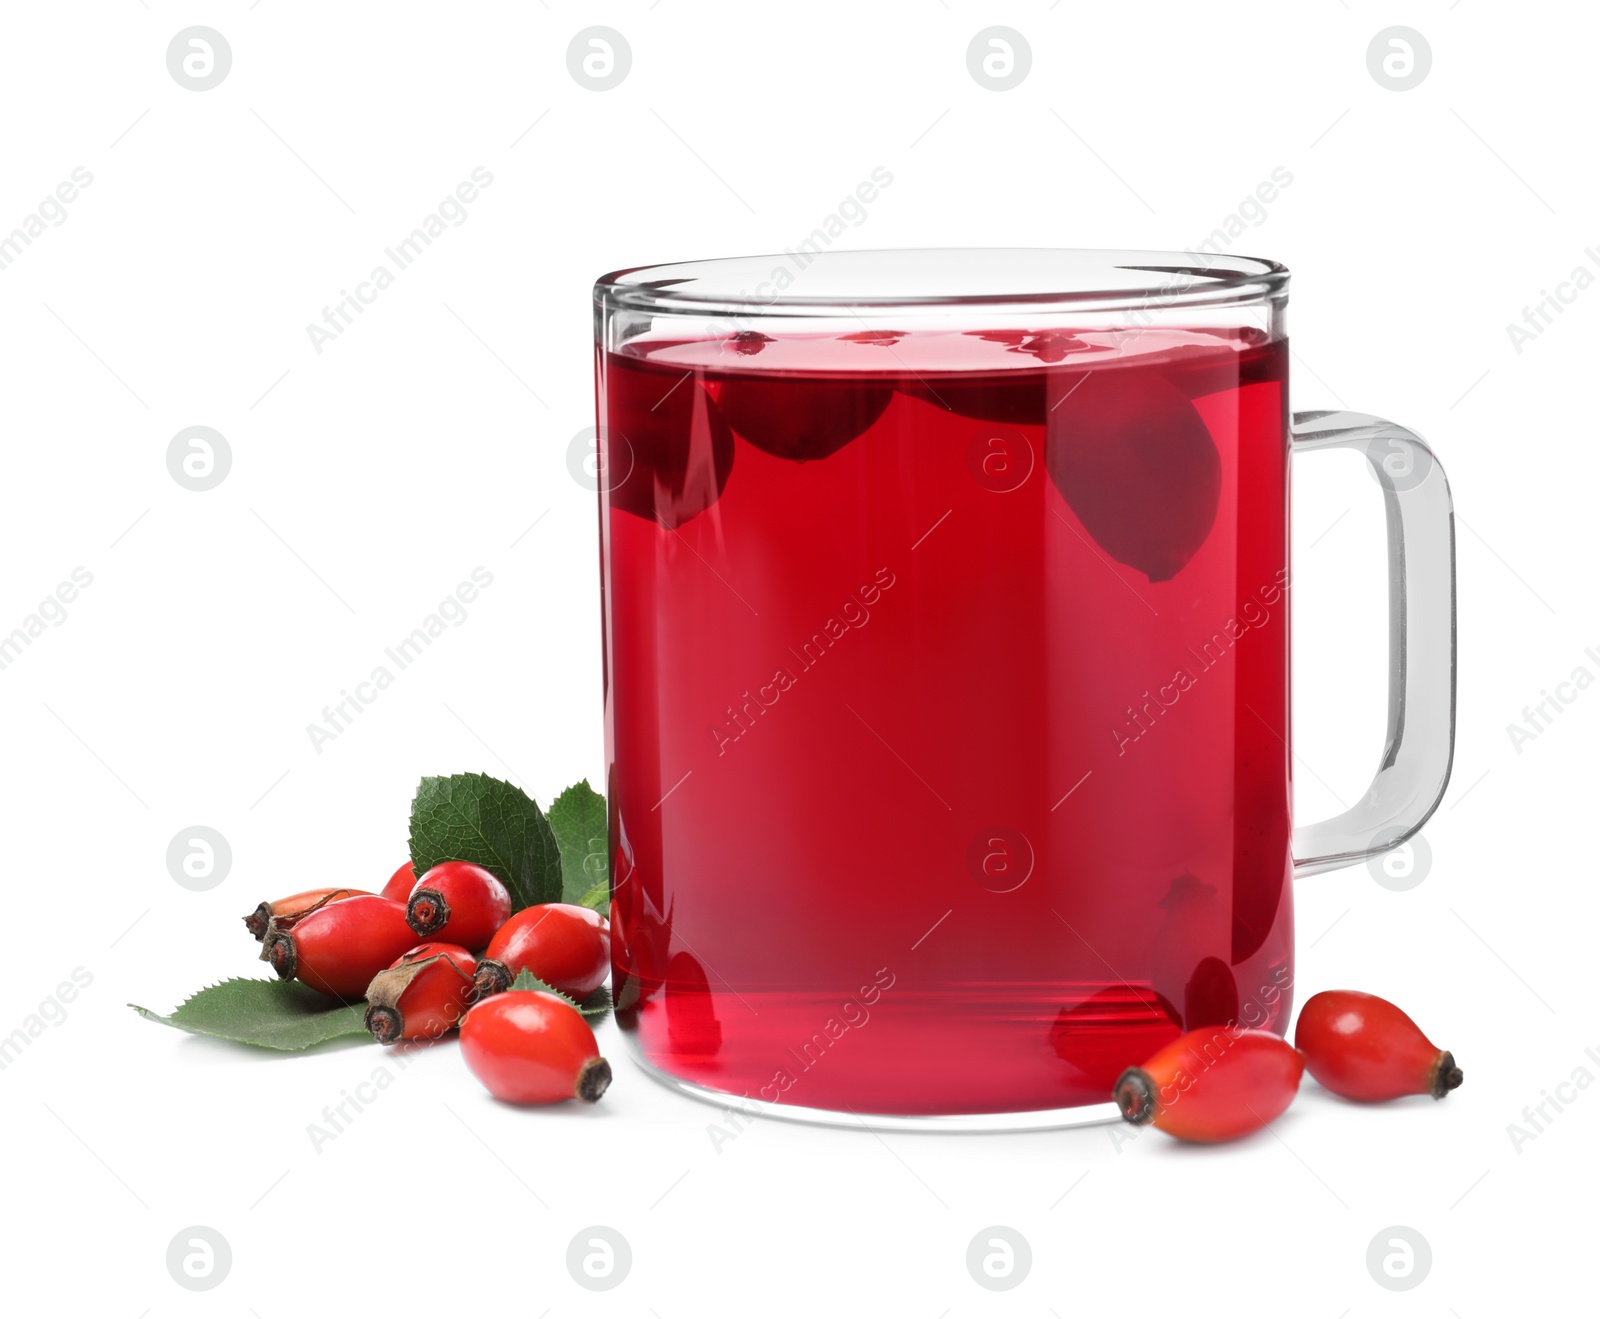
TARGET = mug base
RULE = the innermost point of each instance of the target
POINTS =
(1045, 1119)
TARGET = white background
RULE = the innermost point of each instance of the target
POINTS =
(369, 479)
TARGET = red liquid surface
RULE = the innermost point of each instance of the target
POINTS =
(946, 708)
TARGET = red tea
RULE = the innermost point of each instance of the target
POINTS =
(946, 707)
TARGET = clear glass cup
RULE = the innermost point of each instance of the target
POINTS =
(947, 671)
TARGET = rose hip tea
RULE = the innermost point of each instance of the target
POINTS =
(947, 684)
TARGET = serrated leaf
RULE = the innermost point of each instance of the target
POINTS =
(596, 1005)
(491, 823)
(271, 1014)
(578, 819)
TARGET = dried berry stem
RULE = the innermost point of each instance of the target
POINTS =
(281, 954)
(593, 1078)
(427, 911)
(492, 978)
(1135, 1096)
(384, 1023)
(1445, 1076)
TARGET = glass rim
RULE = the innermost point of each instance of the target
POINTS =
(800, 283)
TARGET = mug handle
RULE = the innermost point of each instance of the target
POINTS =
(1420, 741)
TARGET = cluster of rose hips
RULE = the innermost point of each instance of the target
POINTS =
(526, 1046)
(1218, 1083)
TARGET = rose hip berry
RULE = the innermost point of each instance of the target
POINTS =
(288, 910)
(400, 884)
(804, 418)
(338, 948)
(460, 902)
(1133, 458)
(423, 995)
(1212, 1084)
(1363, 1047)
(532, 1048)
(565, 945)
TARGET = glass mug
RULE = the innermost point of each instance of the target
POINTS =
(946, 642)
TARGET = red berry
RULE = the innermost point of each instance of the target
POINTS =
(401, 883)
(337, 949)
(802, 418)
(1135, 462)
(533, 1048)
(460, 902)
(566, 946)
(747, 343)
(668, 452)
(1363, 1047)
(286, 911)
(1212, 1084)
(423, 995)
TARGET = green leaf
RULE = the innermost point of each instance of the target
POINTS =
(596, 1005)
(272, 1014)
(491, 823)
(578, 818)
